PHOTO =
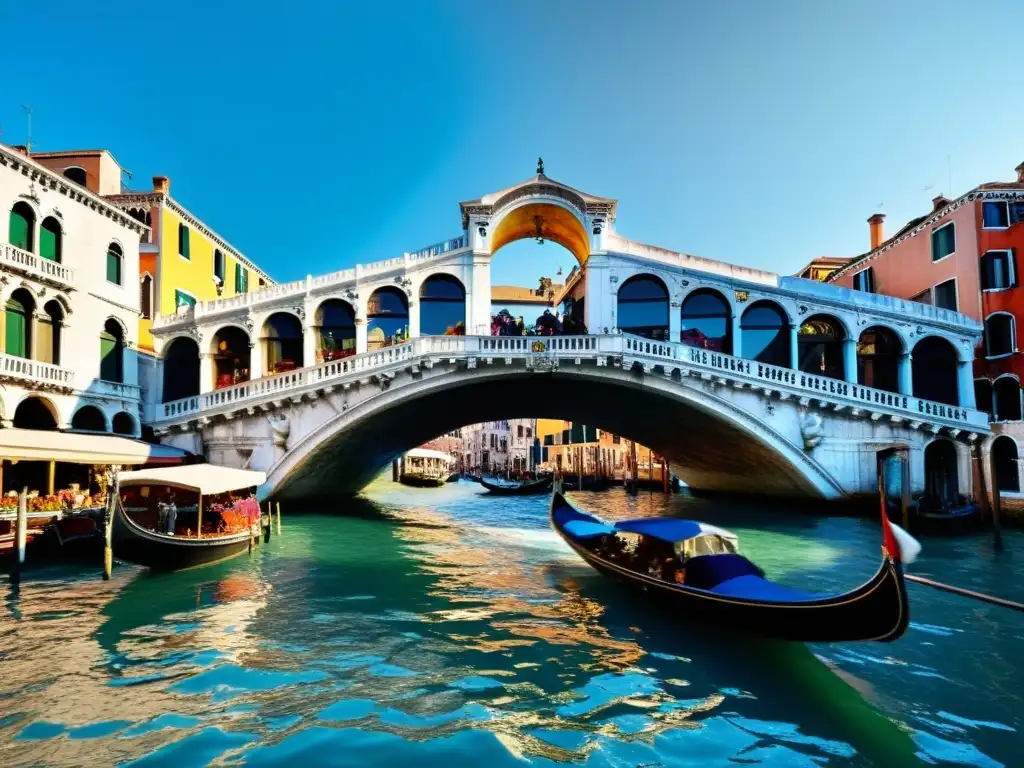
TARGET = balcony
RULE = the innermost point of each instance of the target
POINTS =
(45, 375)
(36, 267)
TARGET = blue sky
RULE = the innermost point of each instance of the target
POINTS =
(313, 135)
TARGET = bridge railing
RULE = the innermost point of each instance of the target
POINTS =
(671, 355)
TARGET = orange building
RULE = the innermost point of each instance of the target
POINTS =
(962, 255)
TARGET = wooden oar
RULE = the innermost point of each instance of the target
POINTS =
(966, 592)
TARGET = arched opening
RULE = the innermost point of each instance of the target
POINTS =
(112, 352)
(75, 174)
(18, 324)
(765, 330)
(543, 221)
(935, 371)
(983, 397)
(442, 306)
(181, 369)
(35, 413)
(89, 418)
(820, 346)
(115, 263)
(878, 359)
(942, 483)
(643, 307)
(21, 230)
(49, 328)
(387, 316)
(146, 297)
(1004, 462)
(123, 423)
(1006, 399)
(335, 324)
(231, 357)
(51, 240)
(282, 343)
(707, 321)
(1000, 335)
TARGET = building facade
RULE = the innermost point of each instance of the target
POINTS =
(498, 446)
(69, 328)
(963, 255)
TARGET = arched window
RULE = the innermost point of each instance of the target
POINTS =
(181, 369)
(18, 324)
(707, 321)
(1006, 398)
(878, 359)
(282, 343)
(114, 263)
(336, 330)
(112, 352)
(218, 266)
(387, 314)
(442, 306)
(22, 226)
(934, 370)
(51, 240)
(75, 174)
(643, 307)
(123, 424)
(231, 356)
(983, 397)
(942, 484)
(146, 296)
(49, 327)
(1004, 461)
(765, 330)
(820, 346)
(89, 418)
(1000, 335)
(35, 413)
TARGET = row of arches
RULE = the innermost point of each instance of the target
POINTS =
(942, 469)
(1001, 398)
(766, 336)
(38, 335)
(22, 233)
(39, 413)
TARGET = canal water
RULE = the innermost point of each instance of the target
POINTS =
(446, 627)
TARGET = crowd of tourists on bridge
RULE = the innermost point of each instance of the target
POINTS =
(548, 324)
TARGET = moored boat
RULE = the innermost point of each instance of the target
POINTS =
(424, 468)
(526, 488)
(182, 517)
(697, 569)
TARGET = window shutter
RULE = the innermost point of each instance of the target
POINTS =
(986, 271)
(1011, 257)
(870, 279)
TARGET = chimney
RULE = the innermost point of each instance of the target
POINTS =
(1020, 173)
(162, 184)
(875, 224)
(939, 202)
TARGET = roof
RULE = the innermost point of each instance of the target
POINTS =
(427, 453)
(537, 179)
(76, 448)
(670, 529)
(522, 295)
(538, 185)
(207, 479)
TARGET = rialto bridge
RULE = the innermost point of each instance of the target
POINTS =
(746, 380)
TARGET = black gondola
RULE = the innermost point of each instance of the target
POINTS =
(724, 587)
(528, 488)
(141, 492)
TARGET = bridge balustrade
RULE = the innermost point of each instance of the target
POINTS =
(672, 356)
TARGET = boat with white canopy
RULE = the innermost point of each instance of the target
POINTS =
(425, 468)
(181, 517)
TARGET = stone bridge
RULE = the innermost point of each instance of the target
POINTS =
(746, 380)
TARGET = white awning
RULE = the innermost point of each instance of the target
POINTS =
(427, 453)
(207, 479)
(45, 445)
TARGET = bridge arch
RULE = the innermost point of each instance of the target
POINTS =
(764, 333)
(879, 349)
(707, 319)
(820, 345)
(281, 343)
(387, 317)
(442, 303)
(181, 368)
(729, 442)
(542, 216)
(934, 370)
(334, 322)
(643, 307)
(231, 349)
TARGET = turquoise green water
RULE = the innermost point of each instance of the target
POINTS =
(444, 627)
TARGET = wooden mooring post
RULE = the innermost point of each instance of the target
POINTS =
(269, 523)
(278, 505)
(20, 538)
(997, 503)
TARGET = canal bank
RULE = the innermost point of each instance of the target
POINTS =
(447, 626)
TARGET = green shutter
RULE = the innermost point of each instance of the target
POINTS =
(180, 297)
(183, 241)
(113, 267)
(49, 243)
(15, 335)
(108, 357)
(20, 233)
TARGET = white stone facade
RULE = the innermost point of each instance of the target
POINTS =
(73, 296)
